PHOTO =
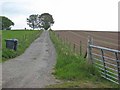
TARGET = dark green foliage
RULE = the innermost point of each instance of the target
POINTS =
(5, 23)
(46, 20)
(43, 21)
(32, 21)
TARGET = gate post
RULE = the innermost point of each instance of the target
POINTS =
(89, 50)
(104, 64)
(80, 48)
(118, 66)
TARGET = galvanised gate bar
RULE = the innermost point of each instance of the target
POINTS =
(106, 60)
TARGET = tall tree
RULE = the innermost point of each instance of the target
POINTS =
(46, 20)
(5, 23)
(32, 21)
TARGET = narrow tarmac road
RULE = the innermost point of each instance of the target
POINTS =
(33, 68)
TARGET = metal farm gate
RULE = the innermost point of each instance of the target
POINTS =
(106, 60)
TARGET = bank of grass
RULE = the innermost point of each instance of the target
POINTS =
(25, 38)
(73, 70)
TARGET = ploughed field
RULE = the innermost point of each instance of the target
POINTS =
(100, 38)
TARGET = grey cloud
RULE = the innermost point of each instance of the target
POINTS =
(14, 8)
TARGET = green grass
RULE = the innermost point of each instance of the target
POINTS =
(74, 68)
(25, 38)
(82, 84)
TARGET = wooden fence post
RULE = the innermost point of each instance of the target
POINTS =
(70, 47)
(64, 41)
(80, 48)
(58, 36)
(67, 41)
(74, 48)
(89, 50)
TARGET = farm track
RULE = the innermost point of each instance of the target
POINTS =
(33, 68)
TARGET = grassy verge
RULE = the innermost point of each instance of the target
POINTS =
(74, 70)
(25, 38)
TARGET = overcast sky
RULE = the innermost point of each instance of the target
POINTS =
(99, 15)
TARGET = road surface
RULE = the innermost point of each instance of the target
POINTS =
(33, 68)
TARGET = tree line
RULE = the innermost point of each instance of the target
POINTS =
(5, 23)
(35, 21)
(43, 21)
